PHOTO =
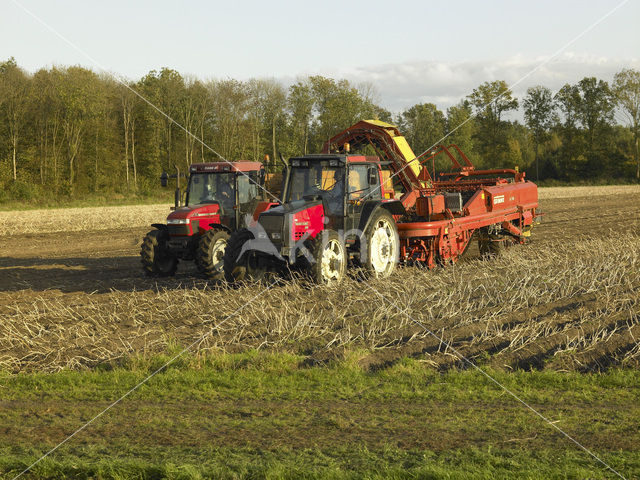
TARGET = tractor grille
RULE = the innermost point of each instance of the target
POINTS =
(271, 223)
(179, 230)
(298, 235)
(274, 228)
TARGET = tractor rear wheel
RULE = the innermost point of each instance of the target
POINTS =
(330, 258)
(382, 245)
(241, 264)
(156, 259)
(210, 253)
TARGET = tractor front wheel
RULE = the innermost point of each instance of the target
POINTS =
(240, 262)
(330, 258)
(210, 253)
(156, 259)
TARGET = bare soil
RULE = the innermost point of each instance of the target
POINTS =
(78, 299)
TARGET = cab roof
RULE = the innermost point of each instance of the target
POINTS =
(225, 167)
(340, 157)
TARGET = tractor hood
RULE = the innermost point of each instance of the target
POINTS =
(194, 219)
(290, 207)
(287, 224)
(195, 211)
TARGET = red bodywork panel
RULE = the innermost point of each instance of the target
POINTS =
(309, 220)
(430, 205)
(524, 194)
(362, 159)
(202, 216)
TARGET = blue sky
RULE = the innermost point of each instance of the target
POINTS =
(410, 51)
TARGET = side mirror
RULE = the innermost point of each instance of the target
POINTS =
(164, 179)
(373, 176)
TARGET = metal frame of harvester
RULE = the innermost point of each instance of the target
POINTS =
(498, 206)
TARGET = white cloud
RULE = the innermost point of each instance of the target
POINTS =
(401, 85)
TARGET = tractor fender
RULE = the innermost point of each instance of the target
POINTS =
(219, 226)
(394, 207)
(160, 226)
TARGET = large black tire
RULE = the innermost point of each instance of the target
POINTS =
(380, 245)
(156, 259)
(329, 258)
(241, 266)
(210, 253)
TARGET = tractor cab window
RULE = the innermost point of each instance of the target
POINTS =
(211, 187)
(361, 185)
(248, 191)
(324, 178)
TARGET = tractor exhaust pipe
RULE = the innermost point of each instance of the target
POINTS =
(285, 187)
(177, 193)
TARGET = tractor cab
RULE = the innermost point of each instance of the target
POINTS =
(318, 179)
(343, 185)
(221, 192)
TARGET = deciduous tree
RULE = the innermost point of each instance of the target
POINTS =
(14, 88)
(539, 116)
(423, 125)
(491, 101)
(626, 87)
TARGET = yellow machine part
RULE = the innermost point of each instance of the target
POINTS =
(400, 142)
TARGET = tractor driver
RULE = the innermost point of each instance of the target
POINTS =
(208, 192)
(333, 193)
(217, 188)
(226, 196)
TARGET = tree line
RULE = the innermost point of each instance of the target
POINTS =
(68, 131)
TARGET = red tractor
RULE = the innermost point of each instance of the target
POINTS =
(376, 211)
(219, 198)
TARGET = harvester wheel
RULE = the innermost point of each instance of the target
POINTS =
(493, 245)
(330, 258)
(210, 254)
(156, 259)
(241, 265)
(380, 257)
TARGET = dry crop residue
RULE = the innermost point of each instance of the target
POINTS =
(75, 297)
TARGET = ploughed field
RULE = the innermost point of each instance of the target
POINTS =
(364, 380)
(73, 295)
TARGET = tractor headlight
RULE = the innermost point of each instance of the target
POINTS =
(275, 235)
(178, 221)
